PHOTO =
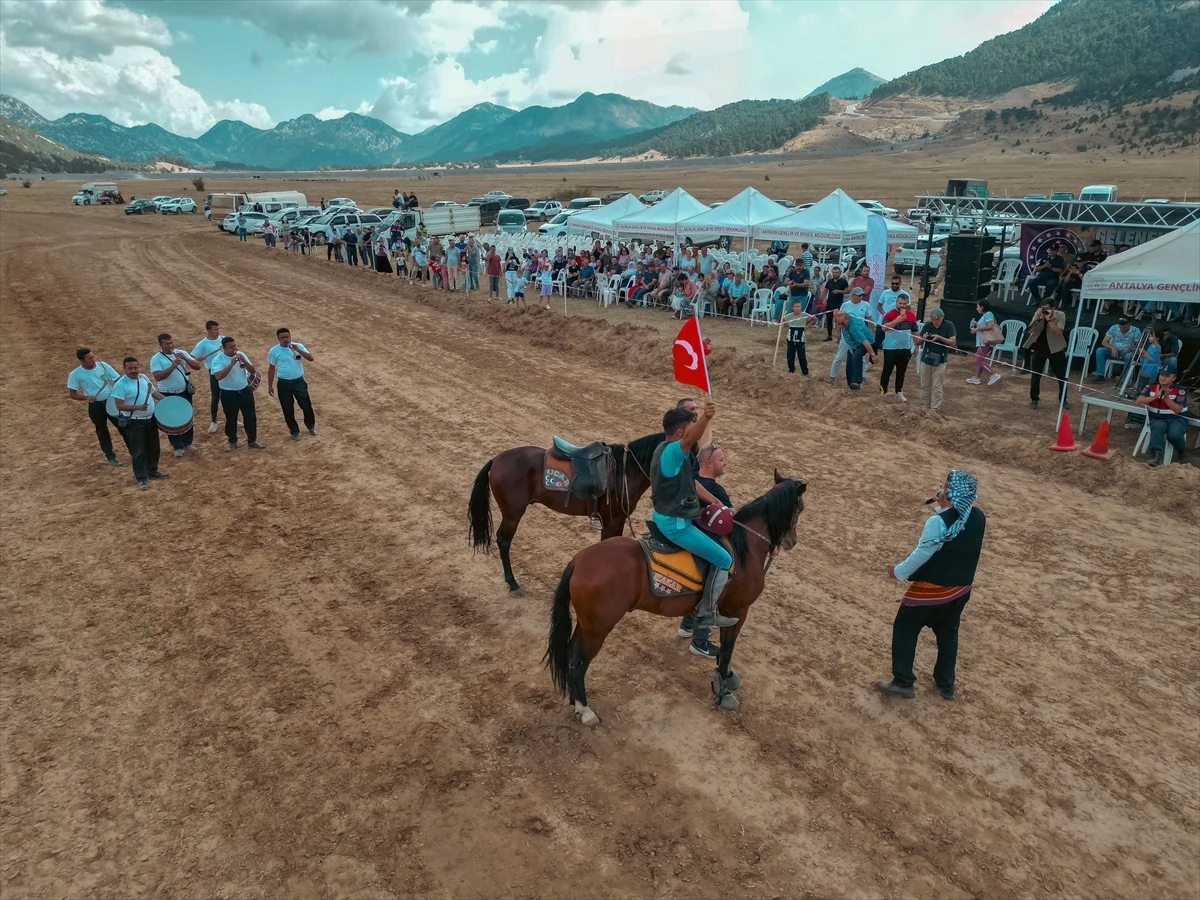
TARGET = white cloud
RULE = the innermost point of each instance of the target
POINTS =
(79, 27)
(330, 112)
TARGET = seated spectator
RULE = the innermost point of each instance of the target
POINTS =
(769, 277)
(1072, 280)
(1046, 274)
(1169, 348)
(586, 284)
(738, 292)
(666, 283)
(706, 293)
(560, 261)
(681, 296)
(1167, 408)
(1094, 256)
(647, 282)
(1150, 359)
(573, 269)
(1118, 344)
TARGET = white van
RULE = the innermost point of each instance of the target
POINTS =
(1099, 193)
(274, 201)
(510, 221)
(583, 203)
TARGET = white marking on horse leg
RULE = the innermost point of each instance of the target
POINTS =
(589, 718)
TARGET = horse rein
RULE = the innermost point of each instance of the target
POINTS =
(770, 553)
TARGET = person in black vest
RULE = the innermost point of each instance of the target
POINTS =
(940, 572)
(711, 462)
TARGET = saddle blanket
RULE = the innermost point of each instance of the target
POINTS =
(557, 473)
(674, 571)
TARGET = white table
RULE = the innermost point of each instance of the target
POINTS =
(1127, 406)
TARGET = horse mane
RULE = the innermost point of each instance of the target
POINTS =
(777, 508)
(642, 449)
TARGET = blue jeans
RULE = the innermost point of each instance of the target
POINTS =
(1103, 355)
(1162, 429)
(696, 541)
(241, 234)
(854, 364)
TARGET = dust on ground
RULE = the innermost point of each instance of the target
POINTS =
(283, 674)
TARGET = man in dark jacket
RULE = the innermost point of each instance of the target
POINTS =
(940, 572)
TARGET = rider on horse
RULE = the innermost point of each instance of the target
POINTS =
(676, 496)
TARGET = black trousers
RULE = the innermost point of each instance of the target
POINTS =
(295, 391)
(101, 419)
(943, 622)
(215, 387)
(234, 402)
(894, 360)
(142, 435)
(1058, 368)
(796, 351)
(180, 441)
(352, 254)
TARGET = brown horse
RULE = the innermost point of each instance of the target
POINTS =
(515, 478)
(607, 580)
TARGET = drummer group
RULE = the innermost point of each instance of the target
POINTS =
(141, 405)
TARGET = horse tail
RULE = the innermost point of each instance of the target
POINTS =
(559, 643)
(479, 511)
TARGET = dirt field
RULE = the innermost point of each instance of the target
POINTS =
(284, 675)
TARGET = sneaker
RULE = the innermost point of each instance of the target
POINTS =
(993, 379)
(1033, 404)
(974, 381)
(295, 436)
(313, 431)
(230, 447)
(1180, 456)
(190, 448)
(854, 387)
(178, 452)
(1096, 379)
(684, 632)
(891, 689)
(112, 460)
(143, 485)
(1156, 460)
(947, 694)
(255, 445)
(706, 649)
(212, 427)
(900, 396)
(158, 476)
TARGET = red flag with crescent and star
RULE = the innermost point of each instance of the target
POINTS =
(687, 356)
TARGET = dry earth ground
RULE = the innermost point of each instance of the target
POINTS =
(284, 675)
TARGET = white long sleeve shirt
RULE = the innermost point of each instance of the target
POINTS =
(931, 539)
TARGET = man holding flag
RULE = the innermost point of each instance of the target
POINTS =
(673, 489)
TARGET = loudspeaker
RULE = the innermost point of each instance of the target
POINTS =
(969, 267)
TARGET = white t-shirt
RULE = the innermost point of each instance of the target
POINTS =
(135, 391)
(176, 382)
(288, 365)
(207, 346)
(887, 302)
(92, 382)
(237, 378)
(858, 310)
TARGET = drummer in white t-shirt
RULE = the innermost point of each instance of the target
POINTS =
(169, 368)
(91, 382)
(232, 369)
(208, 347)
(287, 361)
(135, 396)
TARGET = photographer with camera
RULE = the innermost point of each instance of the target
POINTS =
(1048, 344)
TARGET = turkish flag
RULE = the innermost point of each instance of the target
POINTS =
(687, 356)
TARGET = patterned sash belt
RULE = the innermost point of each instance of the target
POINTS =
(922, 593)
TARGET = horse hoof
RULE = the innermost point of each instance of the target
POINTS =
(733, 682)
(589, 718)
(728, 701)
(516, 593)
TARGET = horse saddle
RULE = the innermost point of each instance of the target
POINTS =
(584, 471)
(672, 570)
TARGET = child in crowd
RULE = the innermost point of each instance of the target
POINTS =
(515, 283)
(797, 320)
(547, 279)
(400, 258)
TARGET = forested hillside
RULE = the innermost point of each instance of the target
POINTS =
(1112, 49)
(748, 126)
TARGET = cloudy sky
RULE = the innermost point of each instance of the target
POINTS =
(186, 64)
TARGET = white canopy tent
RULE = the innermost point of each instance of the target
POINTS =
(1166, 268)
(736, 216)
(836, 219)
(662, 219)
(600, 218)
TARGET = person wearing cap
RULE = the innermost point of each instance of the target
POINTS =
(1118, 345)
(858, 308)
(856, 337)
(1167, 408)
(1045, 338)
(935, 340)
(940, 573)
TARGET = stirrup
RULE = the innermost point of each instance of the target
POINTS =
(596, 522)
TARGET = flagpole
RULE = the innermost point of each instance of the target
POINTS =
(703, 355)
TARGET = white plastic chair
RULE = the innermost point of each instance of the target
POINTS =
(1013, 330)
(609, 292)
(762, 306)
(560, 282)
(1083, 342)
(1007, 276)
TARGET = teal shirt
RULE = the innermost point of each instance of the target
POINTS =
(856, 331)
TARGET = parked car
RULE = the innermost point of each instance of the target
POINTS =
(911, 257)
(294, 215)
(380, 211)
(543, 210)
(583, 203)
(1062, 195)
(521, 203)
(879, 209)
(82, 198)
(495, 195)
(438, 204)
(140, 207)
(612, 197)
(1099, 193)
(254, 221)
(1035, 196)
(487, 210)
(557, 227)
(787, 204)
(177, 205)
(338, 202)
(159, 200)
(511, 221)
(322, 226)
(1156, 200)
(654, 196)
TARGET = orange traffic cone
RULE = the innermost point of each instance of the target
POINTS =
(1065, 442)
(1099, 448)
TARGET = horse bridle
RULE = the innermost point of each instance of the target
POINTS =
(626, 511)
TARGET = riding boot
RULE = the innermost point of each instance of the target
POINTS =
(706, 612)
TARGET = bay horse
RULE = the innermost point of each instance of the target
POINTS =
(515, 479)
(605, 581)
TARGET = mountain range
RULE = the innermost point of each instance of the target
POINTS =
(853, 85)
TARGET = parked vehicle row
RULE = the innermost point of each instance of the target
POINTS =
(164, 205)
